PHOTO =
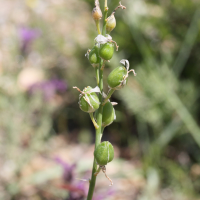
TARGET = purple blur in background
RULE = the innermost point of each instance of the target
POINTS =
(68, 174)
(49, 88)
(69, 177)
(27, 36)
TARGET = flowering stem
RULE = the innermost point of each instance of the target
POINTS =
(99, 131)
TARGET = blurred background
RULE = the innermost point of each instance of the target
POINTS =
(46, 141)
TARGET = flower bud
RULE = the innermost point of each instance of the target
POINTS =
(88, 100)
(111, 23)
(108, 115)
(94, 56)
(104, 153)
(106, 51)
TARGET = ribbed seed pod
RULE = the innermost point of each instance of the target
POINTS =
(116, 79)
(88, 101)
(106, 51)
(108, 115)
(104, 153)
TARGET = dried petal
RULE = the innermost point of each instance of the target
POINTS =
(100, 39)
(125, 63)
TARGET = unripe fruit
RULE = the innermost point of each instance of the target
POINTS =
(116, 79)
(106, 51)
(94, 57)
(108, 115)
(104, 153)
(88, 102)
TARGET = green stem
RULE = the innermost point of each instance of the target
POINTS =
(105, 4)
(97, 75)
(98, 26)
(98, 137)
(105, 17)
(98, 170)
(108, 96)
(103, 65)
(93, 121)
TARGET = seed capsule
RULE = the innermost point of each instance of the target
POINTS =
(108, 115)
(111, 23)
(104, 153)
(106, 51)
(88, 100)
(116, 79)
(94, 56)
(96, 13)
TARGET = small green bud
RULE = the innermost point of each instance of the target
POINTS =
(88, 100)
(108, 115)
(111, 23)
(94, 56)
(106, 51)
(104, 153)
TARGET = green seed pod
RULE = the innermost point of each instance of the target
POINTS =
(106, 51)
(116, 79)
(104, 153)
(88, 100)
(108, 115)
(111, 23)
(94, 56)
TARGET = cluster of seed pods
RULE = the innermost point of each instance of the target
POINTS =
(89, 102)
